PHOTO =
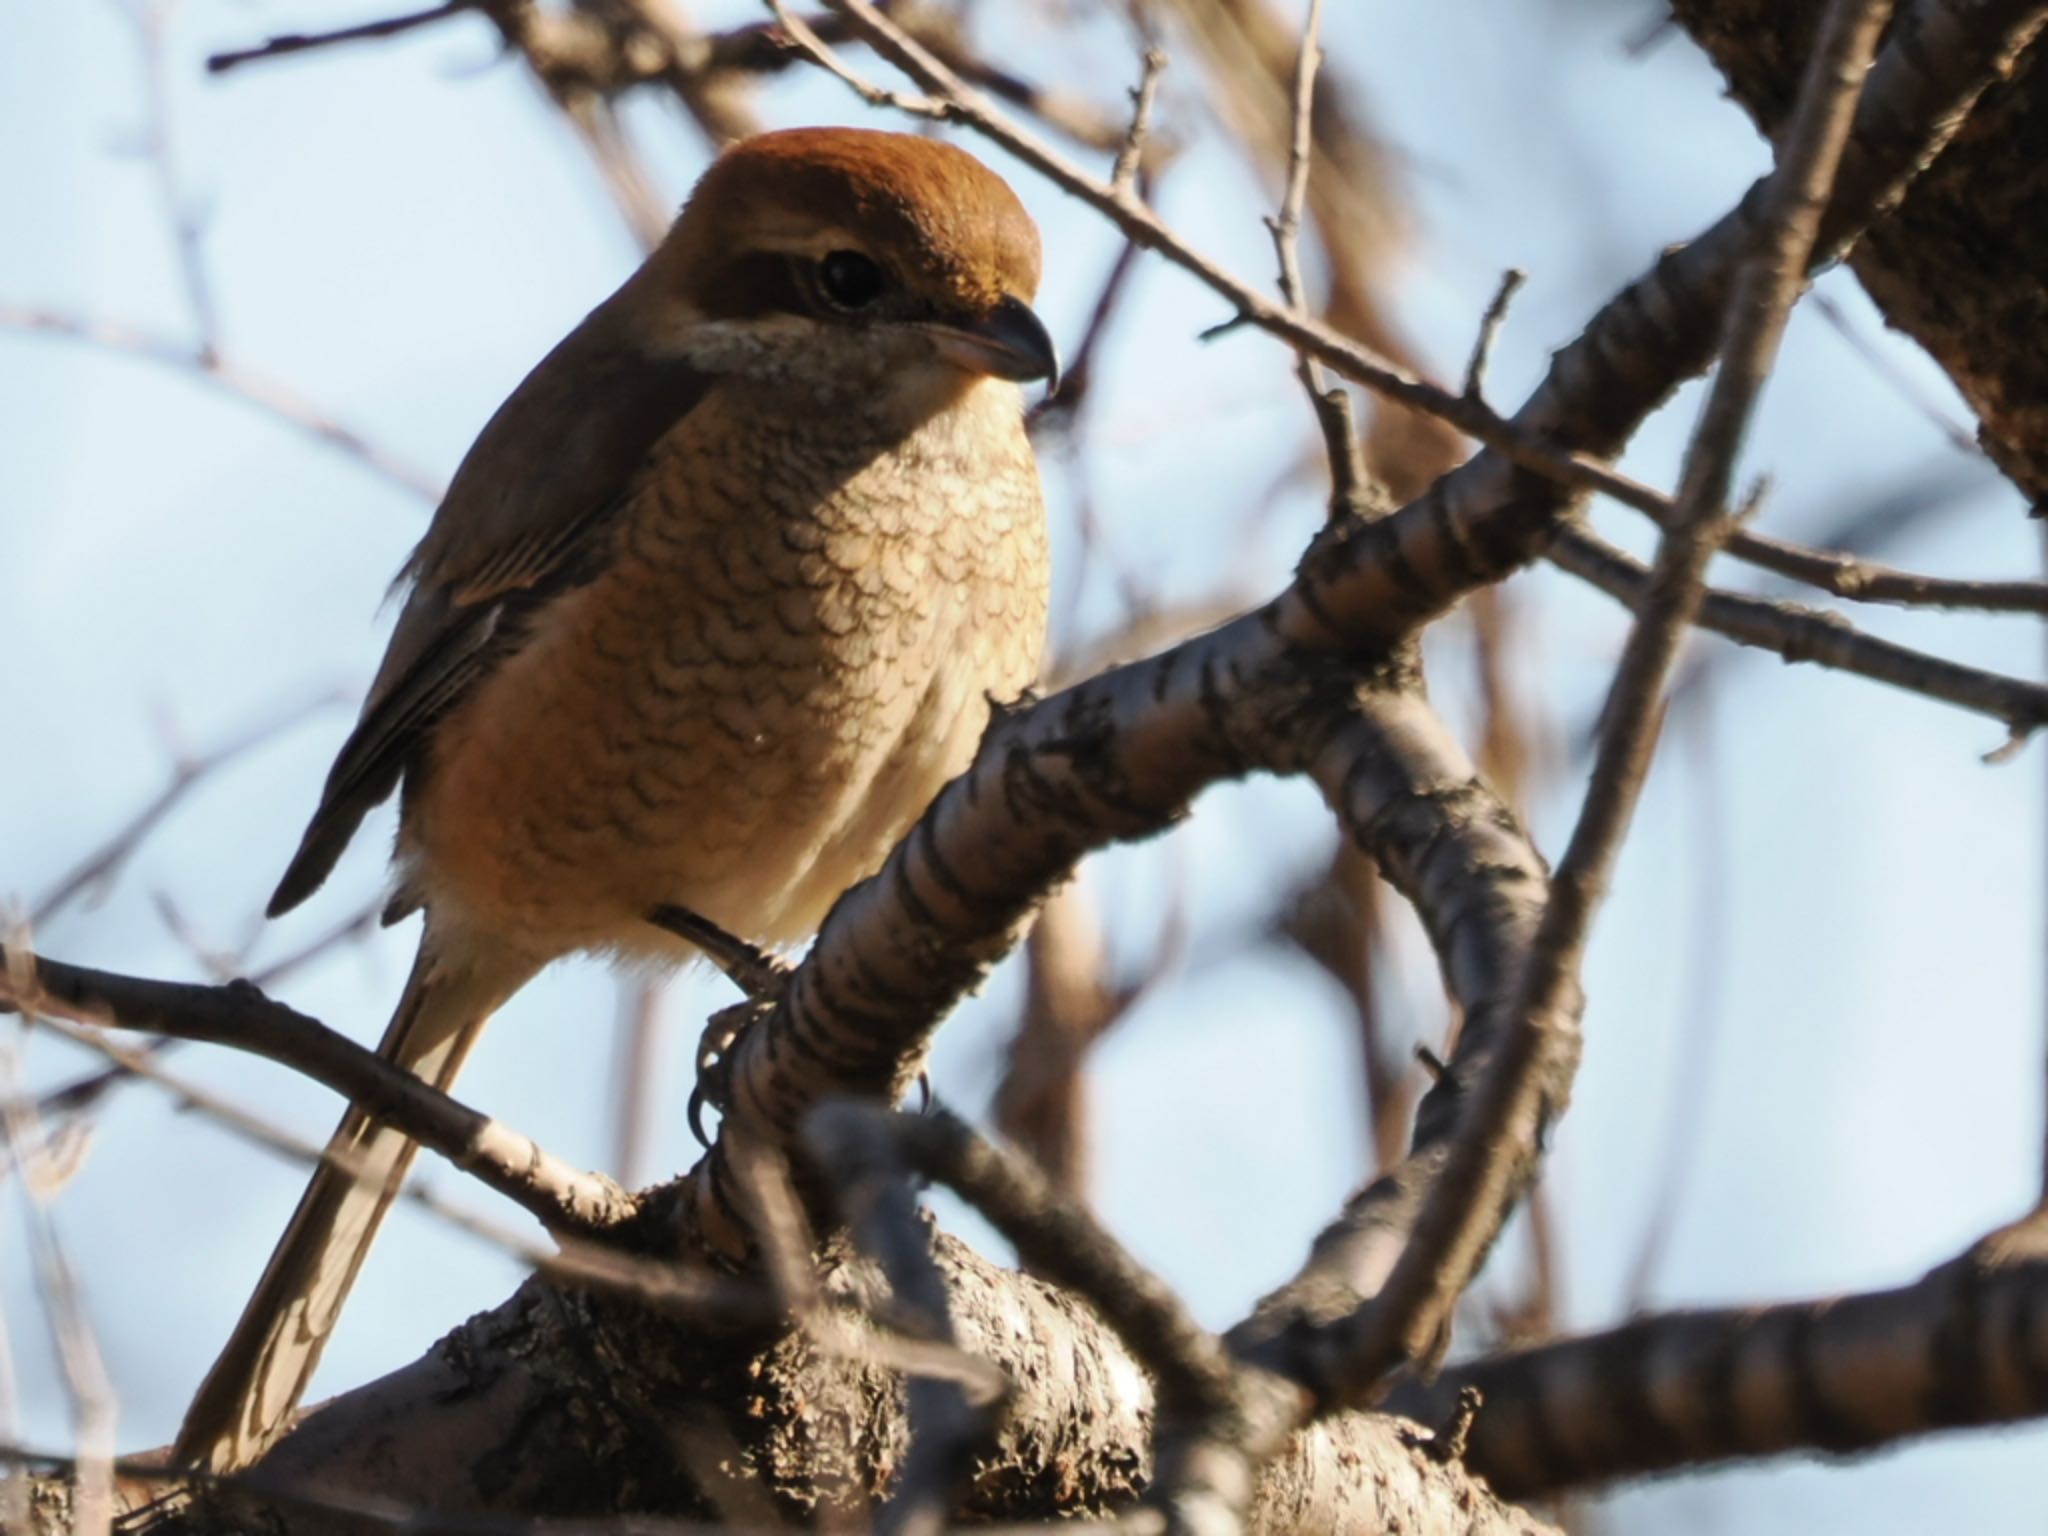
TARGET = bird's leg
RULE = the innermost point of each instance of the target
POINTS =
(754, 971)
(750, 968)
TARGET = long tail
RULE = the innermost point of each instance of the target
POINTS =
(247, 1399)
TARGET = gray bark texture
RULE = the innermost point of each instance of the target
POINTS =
(561, 1405)
(1958, 266)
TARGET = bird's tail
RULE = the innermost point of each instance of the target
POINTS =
(247, 1399)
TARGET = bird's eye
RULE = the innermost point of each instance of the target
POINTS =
(849, 280)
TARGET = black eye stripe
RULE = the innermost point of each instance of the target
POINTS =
(762, 283)
(759, 283)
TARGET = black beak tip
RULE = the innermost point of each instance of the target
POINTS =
(1017, 327)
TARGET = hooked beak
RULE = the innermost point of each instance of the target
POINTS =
(1009, 342)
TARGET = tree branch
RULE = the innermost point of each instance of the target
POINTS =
(1964, 1346)
(1801, 634)
(239, 1016)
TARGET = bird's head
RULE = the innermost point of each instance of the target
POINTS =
(843, 264)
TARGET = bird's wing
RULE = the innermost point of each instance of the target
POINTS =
(525, 519)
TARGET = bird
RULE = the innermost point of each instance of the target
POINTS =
(722, 595)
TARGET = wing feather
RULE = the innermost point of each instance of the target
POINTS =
(527, 518)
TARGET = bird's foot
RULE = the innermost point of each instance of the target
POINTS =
(723, 1032)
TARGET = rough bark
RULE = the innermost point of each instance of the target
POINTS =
(1958, 266)
(560, 1404)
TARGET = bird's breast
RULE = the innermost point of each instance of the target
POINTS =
(788, 652)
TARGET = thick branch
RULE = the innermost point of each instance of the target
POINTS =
(575, 1404)
(1958, 267)
(1966, 1346)
(1411, 799)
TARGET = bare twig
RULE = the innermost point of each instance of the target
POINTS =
(1123, 174)
(1886, 367)
(1062, 407)
(1068, 115)
(268, 396)
(1929, 81)
(785, 1247)
(820, 53)
(1814, 635)
(187, 234)
(241, 1017)
(93, 873)
(71, 1102)
(1868, 582)
(303, 42)
(573, 1259)
(1332, 407)
(1489, 329)
(88, 1388)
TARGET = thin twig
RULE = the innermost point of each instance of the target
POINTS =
(1865, 581)
(1489, 330)
(953, 98)
(904, 1344)
(77, 1098)
(353, 1510)
(1123, 174)
(1794, 632)
(241, 1017)
(1062, 407)
(93, 873)
(188, 236)
(1332, 407)
(302, 42)
(269, 396)
(88, 1389)
(1886, 366)
(820, 52)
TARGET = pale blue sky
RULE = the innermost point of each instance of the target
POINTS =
(400, 230)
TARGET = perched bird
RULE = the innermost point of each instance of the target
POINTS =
(712, 609)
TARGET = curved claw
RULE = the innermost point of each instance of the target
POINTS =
(722, 1034)
(698, 1099)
